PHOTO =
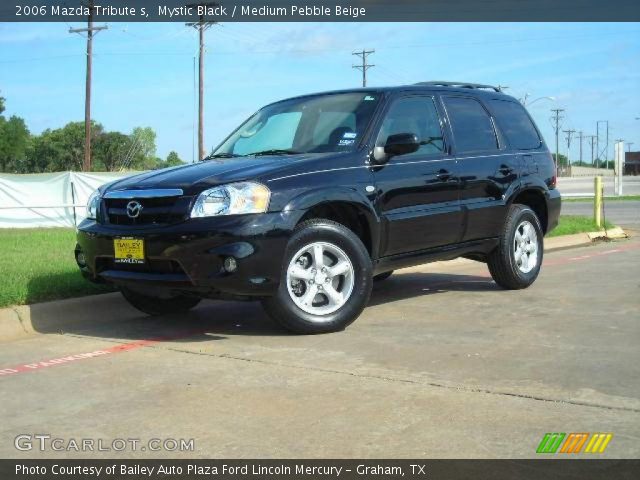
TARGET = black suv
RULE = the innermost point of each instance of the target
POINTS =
(314, 198)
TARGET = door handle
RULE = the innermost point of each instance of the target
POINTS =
(505, 169)
(443, 175)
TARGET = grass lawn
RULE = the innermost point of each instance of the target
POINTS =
(606, 199)
(570, 224)
(38, 265)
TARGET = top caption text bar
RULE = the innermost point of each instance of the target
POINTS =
(321, 11)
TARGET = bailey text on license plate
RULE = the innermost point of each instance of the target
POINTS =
(128, 250)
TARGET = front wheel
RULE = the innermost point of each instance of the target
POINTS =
(152, 305)
(326, 279)
(515, 262)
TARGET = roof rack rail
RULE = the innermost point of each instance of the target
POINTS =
(460, 85)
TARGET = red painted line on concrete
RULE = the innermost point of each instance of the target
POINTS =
(120, 348)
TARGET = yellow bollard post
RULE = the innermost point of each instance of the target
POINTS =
(597, 201)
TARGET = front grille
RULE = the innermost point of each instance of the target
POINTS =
(155, 211)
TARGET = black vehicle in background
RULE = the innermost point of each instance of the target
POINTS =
(314, 198)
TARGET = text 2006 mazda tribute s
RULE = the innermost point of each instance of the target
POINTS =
(314, 198)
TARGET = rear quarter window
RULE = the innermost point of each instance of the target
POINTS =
(515, 124)
(471, 124)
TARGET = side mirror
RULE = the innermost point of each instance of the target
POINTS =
(398, 144)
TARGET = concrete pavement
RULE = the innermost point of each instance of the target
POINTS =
(441, 364)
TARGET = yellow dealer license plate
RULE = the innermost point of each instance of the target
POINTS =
(128, 250)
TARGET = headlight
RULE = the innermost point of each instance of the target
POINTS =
(232, 199)
(92, 205)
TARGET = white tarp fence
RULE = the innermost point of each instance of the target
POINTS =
(48, 199)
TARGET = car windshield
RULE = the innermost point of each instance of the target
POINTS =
(317, 124)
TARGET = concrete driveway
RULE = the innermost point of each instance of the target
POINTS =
(441, 364)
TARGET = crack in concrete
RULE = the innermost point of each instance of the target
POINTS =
(460, 388)
(20, 319)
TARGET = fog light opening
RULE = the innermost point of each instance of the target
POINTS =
(81, 260)
(230, 264)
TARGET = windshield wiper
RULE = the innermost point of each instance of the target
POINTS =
(275, 151)
(221, 155)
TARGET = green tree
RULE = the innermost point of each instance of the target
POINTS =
(561, 161)
(109, 151)
(143, 156)
(14, 143)
(61, 149)
(2, 99)
(173, 160)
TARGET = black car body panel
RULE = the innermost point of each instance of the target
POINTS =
(440, 205)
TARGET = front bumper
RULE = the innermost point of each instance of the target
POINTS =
(188, 257)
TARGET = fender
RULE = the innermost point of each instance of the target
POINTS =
(530, 183)
(298, 206)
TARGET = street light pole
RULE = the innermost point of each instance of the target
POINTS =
(553, 99)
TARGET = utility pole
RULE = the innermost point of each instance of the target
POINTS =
(201, 25)
(556, 119)
(569, 133)
(365, 66)
(592, 139)
(86, 164)
(580, 137)
(629, 146)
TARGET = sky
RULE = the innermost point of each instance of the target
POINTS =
(143, 74)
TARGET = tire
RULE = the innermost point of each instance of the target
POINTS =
(382, 276)
(512, 270)
(303, 303)
(159, 306)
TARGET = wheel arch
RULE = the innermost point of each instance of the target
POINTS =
(534, 197)
(342, 205)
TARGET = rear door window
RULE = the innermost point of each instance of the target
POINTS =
(516, 124)
(471, 125)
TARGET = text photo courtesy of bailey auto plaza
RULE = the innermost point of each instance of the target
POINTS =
(365, 239)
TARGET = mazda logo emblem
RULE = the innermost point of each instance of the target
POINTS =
(133, 209)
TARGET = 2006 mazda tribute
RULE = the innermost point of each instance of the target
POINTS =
(314, 198)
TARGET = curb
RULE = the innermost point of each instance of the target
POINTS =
(58, 316)
(564, 242)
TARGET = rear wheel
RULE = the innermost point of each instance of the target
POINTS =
(152, 305)
(516, 262)
(326, 279)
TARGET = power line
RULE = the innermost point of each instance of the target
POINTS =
(604, 151)
(86, 165)
(364, 66)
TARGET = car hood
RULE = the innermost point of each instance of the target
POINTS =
(193, 178)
